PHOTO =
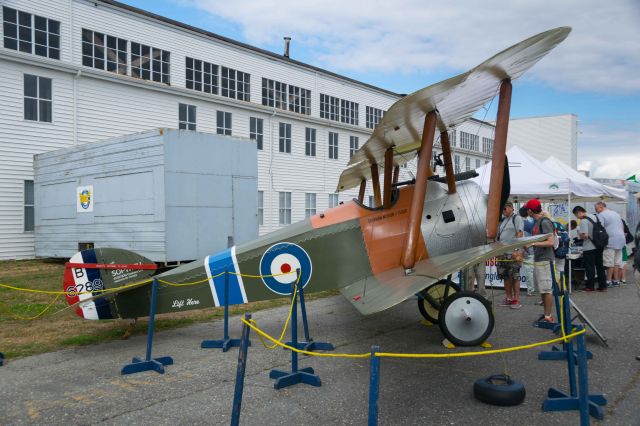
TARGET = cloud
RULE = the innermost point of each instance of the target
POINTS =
(609, 154)
(409, 36)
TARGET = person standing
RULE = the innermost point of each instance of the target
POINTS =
(591, 256)
(526, 269)
(543, 257)
(508, 267)
(612, 255)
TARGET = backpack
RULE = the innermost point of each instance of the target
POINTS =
(600, 238)
(627, 233)
(563, 240)
(556, 241)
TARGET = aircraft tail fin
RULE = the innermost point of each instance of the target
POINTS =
(91, 276)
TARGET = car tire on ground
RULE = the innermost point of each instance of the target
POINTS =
(499, 389)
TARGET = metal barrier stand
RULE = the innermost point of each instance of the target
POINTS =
(226, 343)
(240, 372)
(156, 364)
(295, 376)
(555, 326)
(309, 344)
(374, 385)
(1, 359)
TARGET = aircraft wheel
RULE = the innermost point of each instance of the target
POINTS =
(499, 389)
(432, 298)
(466, 319)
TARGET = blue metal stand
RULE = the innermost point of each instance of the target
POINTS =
(578, 398)
(374, 385)
(309, 344)
(556, 298)
(156, 364)
(1, 359)
(295, 376)
(242, 367)
(226, 343)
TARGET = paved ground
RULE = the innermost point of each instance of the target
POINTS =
(84, 386)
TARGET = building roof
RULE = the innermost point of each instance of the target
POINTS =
(236, 43)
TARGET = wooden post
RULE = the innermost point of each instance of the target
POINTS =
(419, 191)
(375, 181)
(388, 175)
(396, 174)
(448, 163)
(363, 187)
(498, 159)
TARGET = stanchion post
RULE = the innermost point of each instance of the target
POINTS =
(240, 372)
(374, 385)
(138, 365)
(583, 396)
(303, 375)
(1, 359)
(226, 343)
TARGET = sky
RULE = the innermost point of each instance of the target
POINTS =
(405, 45)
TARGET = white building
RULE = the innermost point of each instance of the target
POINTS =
(541, 137)
(77, 71)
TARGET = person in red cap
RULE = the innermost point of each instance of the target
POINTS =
(543, 257)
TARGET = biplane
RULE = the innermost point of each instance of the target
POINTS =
(418, 233)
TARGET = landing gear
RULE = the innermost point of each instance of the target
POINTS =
(431, 298)
(466, 319)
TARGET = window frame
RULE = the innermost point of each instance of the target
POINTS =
(284, 208)
(310, 204)
(354, 145)
(310, 141)
(28, 207)
(34, 47)
(260, 206)
(333, 200)
(156, 59)
(221, 124)
(373, 116)
(256, 131)
(333, 145)
(190, 112)
(120, 67)
(284, 138)
(39, 100)
(235, 84)
(196, 75)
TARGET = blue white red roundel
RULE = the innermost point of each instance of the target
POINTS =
(282, 260)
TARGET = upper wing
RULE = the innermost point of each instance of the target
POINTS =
(455, 100)
(385, 290)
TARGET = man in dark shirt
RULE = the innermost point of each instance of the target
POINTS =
(543, 257)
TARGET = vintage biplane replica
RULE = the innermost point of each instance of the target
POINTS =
(418, 234)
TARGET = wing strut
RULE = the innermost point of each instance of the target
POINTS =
(363, 187)
(388, 175)
(448, 164)
(375, 181)
(419, 191)
(498, 159)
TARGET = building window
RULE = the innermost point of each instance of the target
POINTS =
(467, 164)
(186, 117)
(310, 142)
(201, 76)
(372, 202)
(452, 138)
(284, 207)
(29, 33)
(354, 144)
(287, 97)
(309, 204)
(260, 207)
(103, 51)
(38, 104)
(348, 112)
(223, 123)
(149, 63)
(333, 200)
(469, 141)
(329, 107)
(235, 84)
(284, 139)
(373, 117)
(487, 145)
(477, 163)
(256, 130)
(486, 161)
(29, 219)
(456, 163)
(333, 145)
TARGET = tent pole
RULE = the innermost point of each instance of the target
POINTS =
(570, 239)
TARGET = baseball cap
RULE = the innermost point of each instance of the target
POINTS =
(533, 204)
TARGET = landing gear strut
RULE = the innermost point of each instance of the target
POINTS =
(430, 299)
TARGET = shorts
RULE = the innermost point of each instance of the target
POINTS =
(612, 257)
(542, 277)
(508, 269)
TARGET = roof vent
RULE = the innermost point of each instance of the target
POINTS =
(287, 42)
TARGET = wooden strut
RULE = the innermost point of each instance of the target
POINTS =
(448, 164)
(498, 160)
(375, 181)
(363, 187)
(388, 175)
(419, 192)
(396, 174)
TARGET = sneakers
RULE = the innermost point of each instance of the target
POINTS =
(515, 304)
(615, 284)
(506, 302)
(548, 318)
(609, 284)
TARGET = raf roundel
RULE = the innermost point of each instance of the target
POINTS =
(279, 264)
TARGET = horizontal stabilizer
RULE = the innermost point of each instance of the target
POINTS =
(385, 290)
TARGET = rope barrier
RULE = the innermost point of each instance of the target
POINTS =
(20, 317)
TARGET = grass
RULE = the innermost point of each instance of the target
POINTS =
(61, 328)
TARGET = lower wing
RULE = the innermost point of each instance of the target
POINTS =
(383, 291)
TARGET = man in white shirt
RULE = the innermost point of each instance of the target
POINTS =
(508, 268)
(612, 255)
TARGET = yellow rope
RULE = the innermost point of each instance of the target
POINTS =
(20, 317)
